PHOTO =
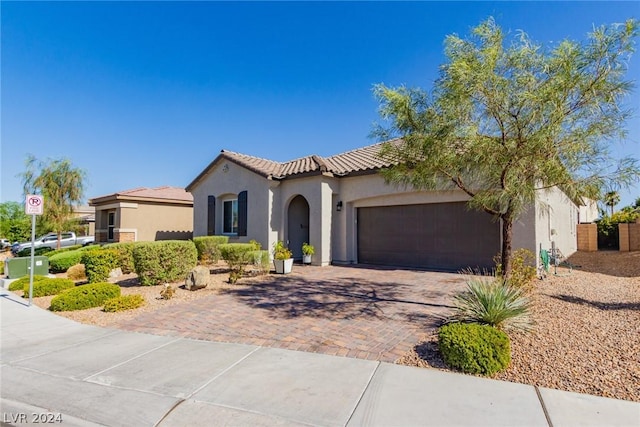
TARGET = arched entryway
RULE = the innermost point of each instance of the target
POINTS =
(298, 225)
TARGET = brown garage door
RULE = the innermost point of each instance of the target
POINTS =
(442, 236)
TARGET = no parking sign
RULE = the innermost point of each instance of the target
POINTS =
(34, 205)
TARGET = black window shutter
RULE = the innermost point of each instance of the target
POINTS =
(211, 215)
(242, 213)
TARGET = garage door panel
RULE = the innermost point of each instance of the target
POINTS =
(444, 236)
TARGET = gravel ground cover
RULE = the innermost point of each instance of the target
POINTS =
(587, 338)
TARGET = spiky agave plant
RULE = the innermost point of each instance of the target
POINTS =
(493, 302)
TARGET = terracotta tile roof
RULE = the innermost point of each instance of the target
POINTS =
(162, 193)
(360, 159)
(256, 164)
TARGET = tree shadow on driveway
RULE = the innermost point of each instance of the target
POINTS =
(343, 298)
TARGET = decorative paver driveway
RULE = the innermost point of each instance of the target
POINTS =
(368, 313)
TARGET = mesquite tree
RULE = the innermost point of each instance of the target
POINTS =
(508, 118)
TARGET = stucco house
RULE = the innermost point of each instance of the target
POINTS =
(144, 214)
(342, 206)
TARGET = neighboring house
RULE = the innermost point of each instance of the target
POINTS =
(144, 214)
(87, 219)
(342, 206)
(588, 211)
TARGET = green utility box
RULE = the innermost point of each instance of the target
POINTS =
(16, 268)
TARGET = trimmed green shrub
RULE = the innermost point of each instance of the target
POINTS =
(61, 262)
(123, 302)
(164, 261)
(491, 301)
(207, 247)
(237, 256)
(48, 286)
(98, 263)
(76, 272)
(84, 296)
(124, 253)
(62, 250)
(19, 284)
(473, 348)
(36, 252)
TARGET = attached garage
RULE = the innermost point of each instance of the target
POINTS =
(440, 236)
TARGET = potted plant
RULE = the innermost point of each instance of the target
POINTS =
(282, 258)
(307, 251)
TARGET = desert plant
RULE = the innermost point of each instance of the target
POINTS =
(47, 286)
(237, 256)
(76, 272)
(98, 263)
(84, 296)
(207, 247)
(261, 261)
(61, 261)
(19, 284)
(164, 261)
(280, 251)
(523, 269)
(493, 302)
(124, 255)
(123, 302)
(167, 292)
(473, 348)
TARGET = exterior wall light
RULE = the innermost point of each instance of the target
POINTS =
(339, 206)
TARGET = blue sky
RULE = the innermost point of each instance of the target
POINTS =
(148, 93)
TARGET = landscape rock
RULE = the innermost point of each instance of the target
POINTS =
(115, 273)
(197, 278)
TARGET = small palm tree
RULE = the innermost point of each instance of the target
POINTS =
(611, 199)
(60, 184)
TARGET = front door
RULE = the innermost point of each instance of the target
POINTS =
(298, 225)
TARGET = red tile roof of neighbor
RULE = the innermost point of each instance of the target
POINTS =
(161, 193)
(358, 160)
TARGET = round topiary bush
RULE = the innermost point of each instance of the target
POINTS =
(98, 263)
(124, 255)
(164, 261)
(123, 302)
(473, 348)
(61, 261)
(18, 285)
(47, 286)
(84, 296)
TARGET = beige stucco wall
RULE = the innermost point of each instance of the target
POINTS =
(145, 221)
(319, 192)
(556, 219)
(225, 183)
(588, 212)
(153, 221)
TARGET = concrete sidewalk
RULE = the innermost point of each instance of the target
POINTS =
(52, 368)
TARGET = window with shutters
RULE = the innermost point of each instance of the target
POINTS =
(230, 217)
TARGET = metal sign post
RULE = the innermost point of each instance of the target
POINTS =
(34, 205)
